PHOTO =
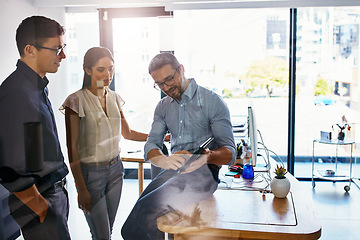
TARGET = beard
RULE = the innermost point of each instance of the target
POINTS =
(181, 87)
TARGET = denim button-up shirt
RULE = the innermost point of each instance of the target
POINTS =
(24, 98)
(199, 115)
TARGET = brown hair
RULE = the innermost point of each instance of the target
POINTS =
(35, 30)
(92, 56)
(161, 60)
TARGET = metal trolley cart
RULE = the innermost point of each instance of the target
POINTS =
(333, 175)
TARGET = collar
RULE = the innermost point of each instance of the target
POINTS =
(106, 92)
(31, 75)
(190, 90)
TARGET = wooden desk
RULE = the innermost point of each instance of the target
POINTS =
(239, 214)
(137, 158)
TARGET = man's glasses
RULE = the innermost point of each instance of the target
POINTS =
(57, 50)
(169, 82)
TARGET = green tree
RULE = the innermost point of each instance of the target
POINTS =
(322, 87)
(268, 73)
(227, 93)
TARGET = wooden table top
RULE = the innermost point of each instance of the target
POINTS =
(134, 156)
(133, 159)
(239, 214)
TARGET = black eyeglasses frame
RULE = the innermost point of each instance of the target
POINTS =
(57, 50)
(160, 86)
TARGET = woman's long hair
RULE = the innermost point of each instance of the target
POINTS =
(92, 56)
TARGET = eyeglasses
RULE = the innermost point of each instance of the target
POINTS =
(169, 82)
(57, 50)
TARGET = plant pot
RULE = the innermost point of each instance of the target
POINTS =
(280, 187)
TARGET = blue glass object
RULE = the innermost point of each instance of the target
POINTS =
(248, 171)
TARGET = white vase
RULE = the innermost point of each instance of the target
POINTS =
(280, 187)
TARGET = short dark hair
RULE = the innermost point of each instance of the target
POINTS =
(161, 60)
(35, 30)
(92, 56)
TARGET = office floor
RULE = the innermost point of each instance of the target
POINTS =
(338, 212)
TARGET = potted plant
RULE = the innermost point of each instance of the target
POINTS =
(280, 185)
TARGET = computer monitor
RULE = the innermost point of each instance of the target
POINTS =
(252, 135)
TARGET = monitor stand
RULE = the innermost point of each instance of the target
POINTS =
(261, 167)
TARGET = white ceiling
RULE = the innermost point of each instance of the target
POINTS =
(192, 4)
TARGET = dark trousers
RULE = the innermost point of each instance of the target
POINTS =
(169, 191)
(54, 226)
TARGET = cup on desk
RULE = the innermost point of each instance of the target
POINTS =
(248, 171)
(33, 142)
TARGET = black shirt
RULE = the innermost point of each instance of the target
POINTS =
(24, 98)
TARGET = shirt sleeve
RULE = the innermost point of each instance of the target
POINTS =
(220, 123)
(18, 109)
(120, 102)
(74, 102)
(158, 131)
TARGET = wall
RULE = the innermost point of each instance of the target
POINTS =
(11, 14)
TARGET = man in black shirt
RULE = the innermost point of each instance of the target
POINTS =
(38, 204)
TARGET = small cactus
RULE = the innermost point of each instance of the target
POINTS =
(280, 171)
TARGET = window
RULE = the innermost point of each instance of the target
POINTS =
(327, 78)
(225, 50)
(241, 54)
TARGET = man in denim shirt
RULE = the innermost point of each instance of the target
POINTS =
(191, 114)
